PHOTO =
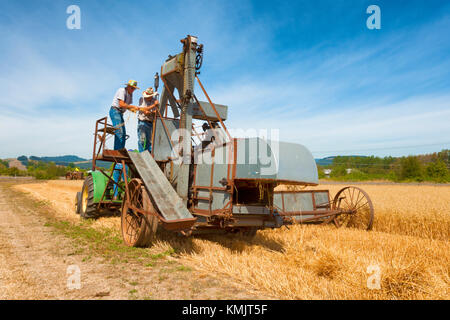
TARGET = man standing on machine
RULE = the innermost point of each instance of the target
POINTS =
(121, 102)
(146, 117)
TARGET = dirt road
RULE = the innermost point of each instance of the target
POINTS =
(34, 262)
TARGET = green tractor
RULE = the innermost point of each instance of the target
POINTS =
(96, 197)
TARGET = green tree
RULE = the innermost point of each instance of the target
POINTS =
(71, 166)
(3, 169)
(4, 163)
(437, 171)
(411, 168)
(338, 171)
(444, 155)
(14, 171)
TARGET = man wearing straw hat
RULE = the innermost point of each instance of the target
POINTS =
(147, 108)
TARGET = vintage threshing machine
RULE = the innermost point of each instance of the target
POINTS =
(228, 184)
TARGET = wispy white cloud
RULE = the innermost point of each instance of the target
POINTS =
(33, 82)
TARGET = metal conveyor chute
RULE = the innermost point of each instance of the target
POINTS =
(169, 204)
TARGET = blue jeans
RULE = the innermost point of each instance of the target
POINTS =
(119, 142)
(117, 174)
(144, 131)
(120, 133)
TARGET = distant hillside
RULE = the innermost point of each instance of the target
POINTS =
(325, 161)
(16, 164)
(62, 159)
(328, 161)
(58, 160)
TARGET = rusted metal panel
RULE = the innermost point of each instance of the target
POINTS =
(203, 174)
(219, 199)
(202, 203)
(322, 200)
(162, 148)
(204, 162)
(244, 209)
(175, 64)
(303, 206)
(220, 165)
(255, 221)
(211, 170)
(168, 202)
(167, 95)
(208, 113)
(299, 204)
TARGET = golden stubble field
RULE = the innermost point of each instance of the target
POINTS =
(408, 249)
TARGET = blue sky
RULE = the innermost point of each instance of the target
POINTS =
(311, 69)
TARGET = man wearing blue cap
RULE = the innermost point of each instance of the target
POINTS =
(122, 102)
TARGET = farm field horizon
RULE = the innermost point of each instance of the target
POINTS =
(409, 245)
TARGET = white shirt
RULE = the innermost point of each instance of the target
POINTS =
(121, 94)
(145, 103)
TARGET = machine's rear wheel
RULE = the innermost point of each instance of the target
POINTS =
(88, 206)
(358, 207)
(138, 229)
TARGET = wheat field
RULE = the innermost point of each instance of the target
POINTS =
(421, 211)
(408, 250)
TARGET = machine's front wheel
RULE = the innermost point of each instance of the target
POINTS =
(78, 203)
(138, 227)
(357, 208)
(88, 206)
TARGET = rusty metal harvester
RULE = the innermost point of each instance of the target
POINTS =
(227, 184)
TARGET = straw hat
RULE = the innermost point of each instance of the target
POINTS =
(148, 93)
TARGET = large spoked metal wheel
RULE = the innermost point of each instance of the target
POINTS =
(356, 206)
(138, 227)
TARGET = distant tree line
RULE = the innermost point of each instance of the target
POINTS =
(45, 170)
(429, 167)
(38, 169)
